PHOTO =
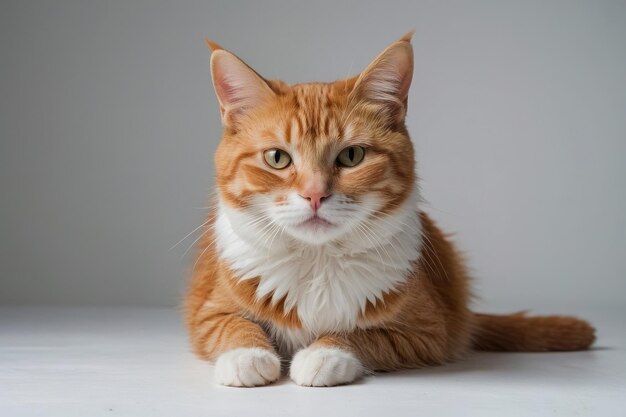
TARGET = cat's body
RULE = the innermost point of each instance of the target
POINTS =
(328, 285)
(317, 251)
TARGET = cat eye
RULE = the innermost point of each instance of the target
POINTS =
(277, 159)
(351, 156)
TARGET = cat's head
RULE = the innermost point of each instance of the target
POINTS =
(316, 161)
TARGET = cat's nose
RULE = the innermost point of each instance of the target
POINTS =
(315, 198)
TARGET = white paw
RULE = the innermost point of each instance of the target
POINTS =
(247, 367)
(324, 367)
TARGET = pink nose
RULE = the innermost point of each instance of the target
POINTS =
(315, 198)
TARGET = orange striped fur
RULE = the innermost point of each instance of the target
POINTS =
(421, 320)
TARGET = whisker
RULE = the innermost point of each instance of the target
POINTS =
(194, 242)
(189, 234)
(383, 247)
(360, 228)
(201, 255)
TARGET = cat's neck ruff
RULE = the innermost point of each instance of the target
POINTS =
(329, 285)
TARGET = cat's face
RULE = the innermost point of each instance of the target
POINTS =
(318, 161)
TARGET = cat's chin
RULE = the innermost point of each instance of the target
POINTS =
(315, 231)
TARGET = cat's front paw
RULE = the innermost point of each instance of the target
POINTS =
(324, 367)
(247, 367)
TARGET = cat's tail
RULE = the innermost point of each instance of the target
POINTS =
(520, 333)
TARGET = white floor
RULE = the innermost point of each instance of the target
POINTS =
(136, 362)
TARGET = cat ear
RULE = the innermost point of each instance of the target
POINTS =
(385, 82)
(238, 87)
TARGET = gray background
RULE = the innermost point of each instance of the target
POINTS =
(108, 123)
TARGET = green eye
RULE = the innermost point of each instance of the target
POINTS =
(277, 159)
(351, 156)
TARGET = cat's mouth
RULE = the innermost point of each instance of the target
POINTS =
(315, 222)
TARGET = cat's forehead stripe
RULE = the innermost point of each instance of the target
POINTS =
(313, 120)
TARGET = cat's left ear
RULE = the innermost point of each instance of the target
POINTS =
(237, 86)
(385, 82)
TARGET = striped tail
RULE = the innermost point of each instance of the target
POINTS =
(520, 333)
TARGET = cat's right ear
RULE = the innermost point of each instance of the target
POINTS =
(238, 87)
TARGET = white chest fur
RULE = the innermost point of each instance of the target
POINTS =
(328, 285)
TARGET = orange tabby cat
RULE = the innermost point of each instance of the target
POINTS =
(316, 250)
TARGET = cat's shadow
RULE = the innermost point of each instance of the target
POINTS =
(504, 366)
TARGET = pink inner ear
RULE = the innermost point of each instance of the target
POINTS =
(237, 86)
(228, 92)
(226, 87)
(388, 78)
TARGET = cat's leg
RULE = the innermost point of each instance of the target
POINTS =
(242, 351)
(334, 360)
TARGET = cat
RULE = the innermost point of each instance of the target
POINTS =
(316, 250)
